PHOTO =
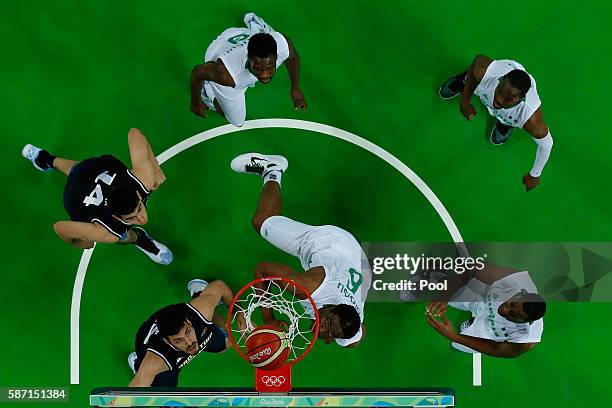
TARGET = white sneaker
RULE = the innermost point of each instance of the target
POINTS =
(256, 23)
(164, 255)
(132, 361)
(31, 152)
(256, 163)
(196, 285)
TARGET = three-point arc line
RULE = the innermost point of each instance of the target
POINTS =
(262, 124)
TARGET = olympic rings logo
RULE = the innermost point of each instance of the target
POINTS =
(273, 380)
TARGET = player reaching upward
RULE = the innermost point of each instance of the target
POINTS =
(237, 60)
(507, 322)
(511, 96)
(337, 274)
(175, 334)
(105, 199)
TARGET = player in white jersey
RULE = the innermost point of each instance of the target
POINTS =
(510, 95)
(237, 60)
(506, 322)
(336, 273)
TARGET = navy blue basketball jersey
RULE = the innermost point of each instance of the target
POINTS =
(88, 187)
(211, 338)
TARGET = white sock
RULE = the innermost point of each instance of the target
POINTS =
(274, 175)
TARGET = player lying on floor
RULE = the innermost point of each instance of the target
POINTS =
(105, 199)
(511, 97)
(175, 334)
(507, 322)
(336, 272)
(237, 60)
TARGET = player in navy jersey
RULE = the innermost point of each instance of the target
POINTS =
(105, 199)
(175, 334)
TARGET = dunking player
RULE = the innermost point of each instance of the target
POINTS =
(238, 59)
(510, 95)
(337, 274)
(175, 334)
(507, 320)
(104, 198)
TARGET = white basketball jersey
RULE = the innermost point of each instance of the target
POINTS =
(348, 276)
(231, 48)
(488, 323)
(518, 114)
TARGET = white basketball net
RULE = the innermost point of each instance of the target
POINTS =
(282, 300)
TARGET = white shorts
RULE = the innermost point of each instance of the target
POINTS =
(324, 245)
(231, 100)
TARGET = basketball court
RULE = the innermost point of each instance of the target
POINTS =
(377, 153)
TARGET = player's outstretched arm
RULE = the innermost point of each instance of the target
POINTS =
(149, 368)
(83, 234)
(209, 298)
(541, 135)
(484, 346)
(214, 71)
(474, 76)
(309, 279)
(144, 164)
(293, 67)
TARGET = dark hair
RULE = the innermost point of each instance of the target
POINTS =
(122, 199)
(350, 322)
(262, 45)
(534, 306)
(520, 80)
(170, 319)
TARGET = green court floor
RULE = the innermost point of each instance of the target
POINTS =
(77, 75)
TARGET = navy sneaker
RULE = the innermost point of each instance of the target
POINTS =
(500, 133)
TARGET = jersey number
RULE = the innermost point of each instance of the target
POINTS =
(237, 38)
(355, 280)
(96, 197)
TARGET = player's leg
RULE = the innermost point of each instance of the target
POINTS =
(230, 103)
(282, 232)
(269, 205)
(270, 168)
(44, 161)
(156, 251)
(453, 86)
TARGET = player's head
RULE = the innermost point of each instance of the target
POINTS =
(523, 307)
(338, 322)
(176, 329)
(127, 204)
(262, 56)
(512, 89)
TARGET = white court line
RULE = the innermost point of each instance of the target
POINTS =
(261, 124)
(477, 369)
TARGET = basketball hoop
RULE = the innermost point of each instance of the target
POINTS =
(280, 295)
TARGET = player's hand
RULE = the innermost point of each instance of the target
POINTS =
(159, 177)
(200, 108)
(530, 182)
(299, 102)
(468, 110)
(241, 322)
(444, 327)
(278, 323)
(436, 309)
